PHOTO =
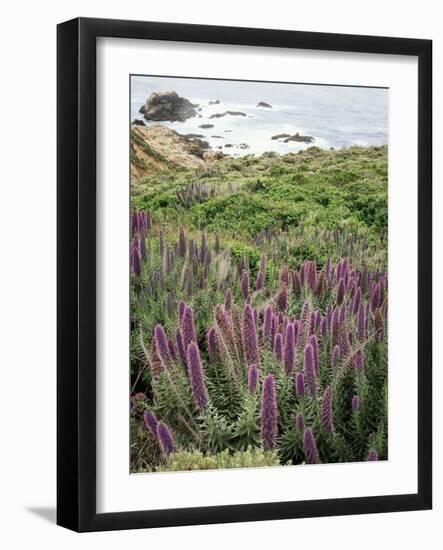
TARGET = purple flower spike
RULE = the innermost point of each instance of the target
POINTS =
(188, 327)
(340, 292)
(260, 281)
(375, 298)
(372, 455)
(143, 246)
(335, 356)
(289, 349)
(312, 276)
(310, 447)
(135, 262)
(267, 323)
(361, 323)
(355, 403)
(278, 346)
(180, 346)
(281, 298)
(299, 422)
(268, 413)
(358, 360)
(196, 377)
(165, 439)
(252, 378)
(262, 263)
(151, 423)
(228, 299)
(324, 327)
(148, 219)
(309, 370)
(245, 284)
(212, 343)
(357, 301)
(182, 243)
(284, 275)
(314, 343)
(249, 336)
(162, 344)
(296, 283)
(172, 350)
(326, 410)
(299, 384)
(181, 310)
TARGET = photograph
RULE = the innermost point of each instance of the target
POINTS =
(258, 274)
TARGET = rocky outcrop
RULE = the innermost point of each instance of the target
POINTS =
(168, 106)
(212, 156)
(264, 104)
(226, 113)
(286, 138)
(156, 148)
(138, 122)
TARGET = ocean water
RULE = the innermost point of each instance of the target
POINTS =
(336, 116)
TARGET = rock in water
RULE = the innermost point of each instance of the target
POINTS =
(205, 126)
(231, 113)
(168, 106)
(215, 102)
(264, 104)
(296, 137)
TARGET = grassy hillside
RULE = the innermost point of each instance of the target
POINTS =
(259, 311)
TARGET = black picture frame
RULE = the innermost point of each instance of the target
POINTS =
(76, 280)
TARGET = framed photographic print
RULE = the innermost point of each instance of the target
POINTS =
(244, 274)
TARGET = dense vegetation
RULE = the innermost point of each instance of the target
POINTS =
(259, 312)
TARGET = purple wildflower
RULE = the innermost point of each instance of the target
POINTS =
(249, 336)
(278, 346)
(252, 378)
(162, 344)
(340, 292)
(375, 298)
(268, 413)
(358, 360)
(245, 284)
(335, 356)
(299, 384)
(361, 323)
(228, 299)
(314, 343)
(296, 283)
(309, 370)
(326, 410)
(281, 298)
(151, 422)
(357, 301)
(181, 310)
(188, 327)
(211, 341)
(165, 439)
(355, 403)
(260, 280)
(172, 350)
(182, 243)
(196, 378)
(262, 263)
(284, 276)
(180, 346)
(310, 447)
(267, 321)
(135, 262)
(289, 349)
